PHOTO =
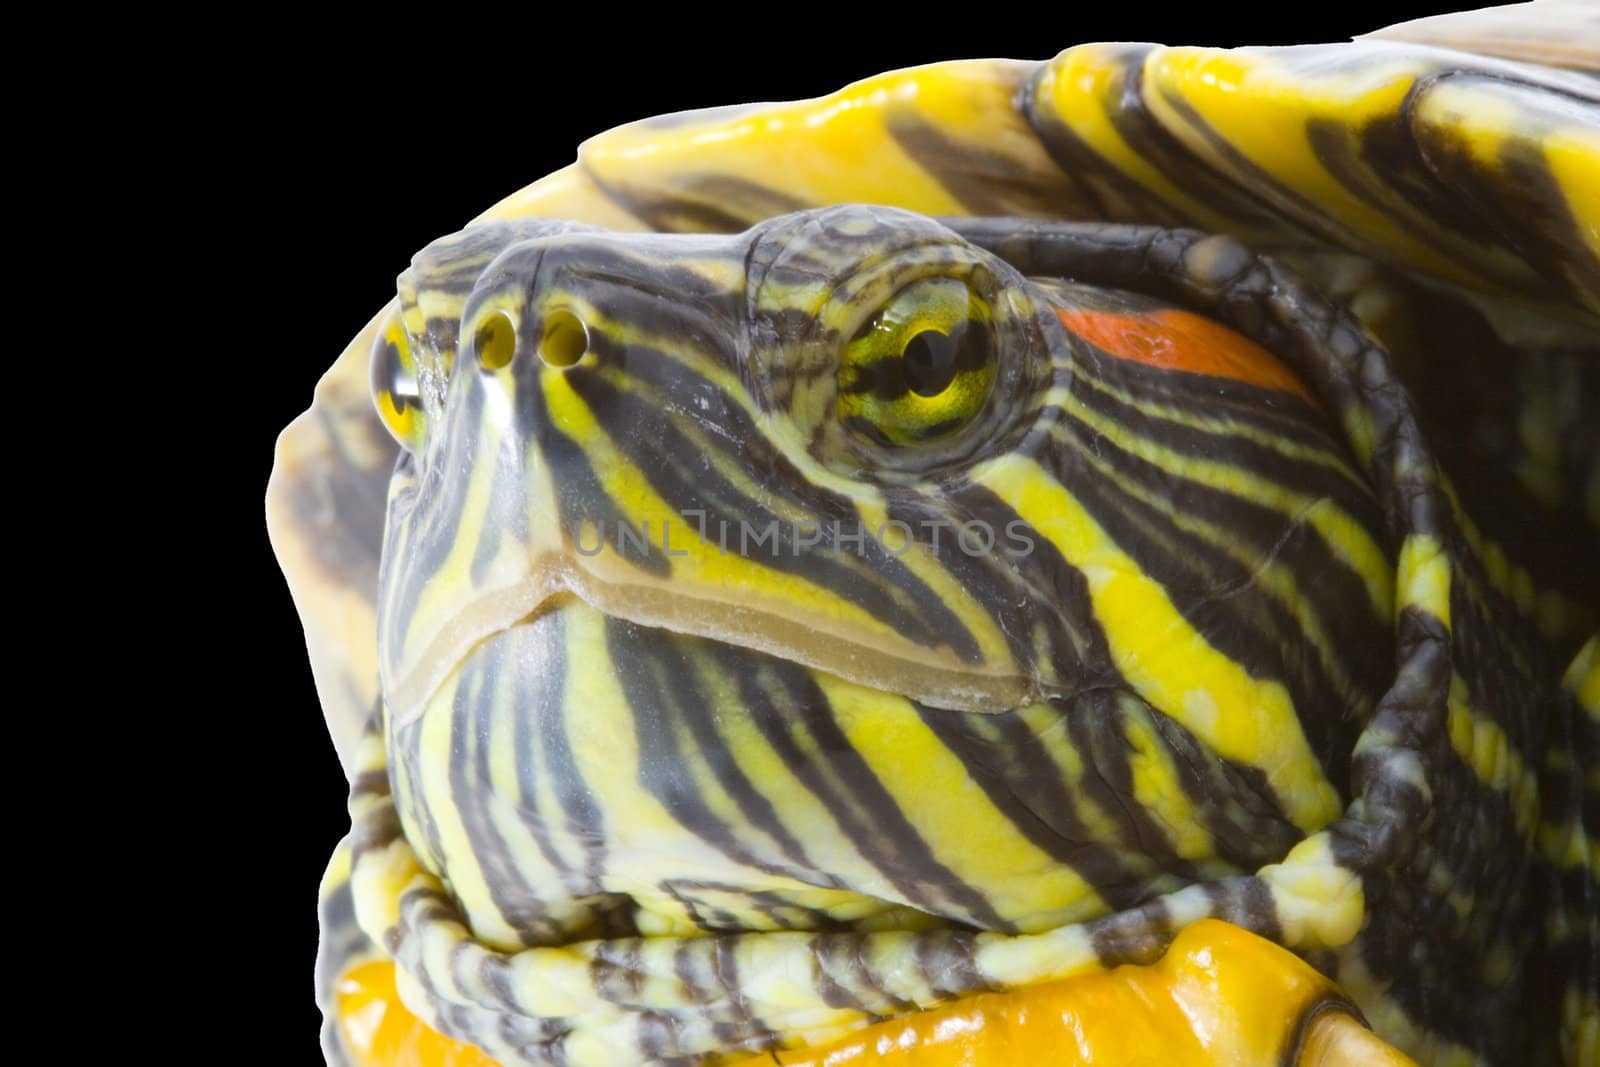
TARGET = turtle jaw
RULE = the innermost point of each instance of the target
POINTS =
(559, 579)
(633, 743)
(623, 408)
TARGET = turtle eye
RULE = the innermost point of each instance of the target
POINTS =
(921, 367)
(396, 390)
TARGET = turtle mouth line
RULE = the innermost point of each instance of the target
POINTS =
(656, 606)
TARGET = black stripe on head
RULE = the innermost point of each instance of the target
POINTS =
(546, 762)
(1096, 722)
(677, 469)
(1222, 599)
(1008, 762)
(583, 498)
(473, 714)
(797, 720)
(1074, 648)
(670, 709)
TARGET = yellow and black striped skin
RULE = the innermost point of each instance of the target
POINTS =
(1135, 546)
(1435, 782)
(1205, 618)
(1570, 787)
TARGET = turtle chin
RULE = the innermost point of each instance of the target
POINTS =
(606, 755)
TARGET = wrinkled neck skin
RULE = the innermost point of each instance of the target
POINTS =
(695, 617)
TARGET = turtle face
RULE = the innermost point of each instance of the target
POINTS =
(839, 576)
(847, 438)
(775, 439)
(851, 440)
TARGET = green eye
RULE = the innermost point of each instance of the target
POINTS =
(395, 390)
(921, 367)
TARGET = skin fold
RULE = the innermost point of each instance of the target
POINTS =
(1219, 995)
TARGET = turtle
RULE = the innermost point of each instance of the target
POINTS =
(1093, 557)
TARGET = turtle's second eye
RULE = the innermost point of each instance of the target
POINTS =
(395, 388)
(921, 367)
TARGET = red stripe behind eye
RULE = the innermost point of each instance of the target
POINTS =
(1181, 340)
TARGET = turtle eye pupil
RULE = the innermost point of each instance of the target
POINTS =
(929, 361)
(399, 387)
(921, 367)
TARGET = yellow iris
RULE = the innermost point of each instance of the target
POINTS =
(395, 390)
(921, 367)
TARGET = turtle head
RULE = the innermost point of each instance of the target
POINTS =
(860, 442)
(770, 439)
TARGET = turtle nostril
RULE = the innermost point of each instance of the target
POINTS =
(496, 341)
(565, 339)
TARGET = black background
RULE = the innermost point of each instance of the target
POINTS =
(350, 158)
